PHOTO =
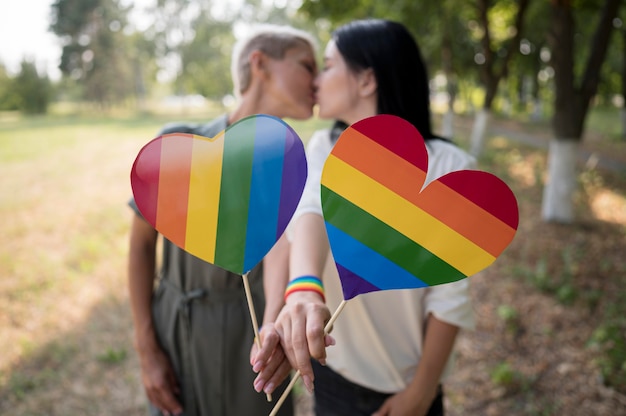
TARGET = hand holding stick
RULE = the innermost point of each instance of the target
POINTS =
(297, 375)
(255, 324)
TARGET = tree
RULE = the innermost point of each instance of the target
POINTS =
(143, 65)
(614, 72)
(528, 69)
(206, 58)
(8, 102)
(499, 40)
(572, 98)
(465, 40)
(30, 91)
(95, 51)
(171, 30)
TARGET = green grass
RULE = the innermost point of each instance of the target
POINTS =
(605, 121)
(63, 251)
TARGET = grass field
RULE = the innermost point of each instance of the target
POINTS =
(63, 310)
(65, 329)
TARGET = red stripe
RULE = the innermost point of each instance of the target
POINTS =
(385, 129)
(504, 206)
(145, 180)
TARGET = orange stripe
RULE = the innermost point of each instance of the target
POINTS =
(174, 187)
(380, 164)
(443, 203)
(485, 230)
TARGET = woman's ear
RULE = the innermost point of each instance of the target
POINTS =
(367, 82)
(258, 64)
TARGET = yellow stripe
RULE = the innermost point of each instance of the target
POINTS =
(404, 217)
(204, 196)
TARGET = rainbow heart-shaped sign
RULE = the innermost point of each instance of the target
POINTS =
(386, 232)
(225, 199)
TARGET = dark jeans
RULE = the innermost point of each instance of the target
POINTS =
(336, 396)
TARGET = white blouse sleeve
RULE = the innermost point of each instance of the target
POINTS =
(317, 150)
(449, 302)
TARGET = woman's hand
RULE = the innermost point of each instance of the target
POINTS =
(270, 361)
(402, 405)
(300, 325)
(159, 381)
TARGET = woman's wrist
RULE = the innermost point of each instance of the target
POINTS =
(305, 284)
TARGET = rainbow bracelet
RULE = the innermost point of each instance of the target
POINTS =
(305, 284)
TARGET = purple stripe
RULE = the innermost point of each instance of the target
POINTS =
(352, 284)
(294, 177)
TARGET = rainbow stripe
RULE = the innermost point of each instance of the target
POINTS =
(306, 284)
(226, 199)
(387, 233)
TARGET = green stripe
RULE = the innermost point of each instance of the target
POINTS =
(234, 197)
(387, 241)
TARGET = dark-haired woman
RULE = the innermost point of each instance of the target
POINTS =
(391, 348)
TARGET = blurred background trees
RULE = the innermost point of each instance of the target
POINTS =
(543, 60)
(482, 54)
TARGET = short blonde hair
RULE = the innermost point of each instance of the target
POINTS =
(273, 40)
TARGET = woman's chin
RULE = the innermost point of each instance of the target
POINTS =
(301, 114)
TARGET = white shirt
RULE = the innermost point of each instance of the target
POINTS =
(380, 334)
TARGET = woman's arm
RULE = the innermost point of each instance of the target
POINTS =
(417, 398)
(275, 278)
(302, 320)
(300, 323)
(157, 374)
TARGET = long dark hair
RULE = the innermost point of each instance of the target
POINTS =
(390, 50)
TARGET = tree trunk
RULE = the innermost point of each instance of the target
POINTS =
(447, 123)
(557, 195)
(479, 131)
(490, 76)
(571, 104)
(623, 112)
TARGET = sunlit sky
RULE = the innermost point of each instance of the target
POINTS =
(24, 34)
(24, 31)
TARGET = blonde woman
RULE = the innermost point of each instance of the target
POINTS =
(193, 334)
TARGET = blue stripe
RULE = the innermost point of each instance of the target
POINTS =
(265, 188)
(368, 264)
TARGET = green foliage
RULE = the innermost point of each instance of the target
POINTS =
(206, 59)
(558, 284)
(509, 315)
(507, 377)
(96, 50)
(32, 90)
(609, 339)
(8, 101)
(28, 91)
(113, 356)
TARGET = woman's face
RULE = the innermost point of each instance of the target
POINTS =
(338, 89)
(290, 85)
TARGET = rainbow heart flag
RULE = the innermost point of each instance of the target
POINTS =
(386, 232)
(225, 199)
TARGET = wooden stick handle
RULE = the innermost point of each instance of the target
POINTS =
(255, 323)
(297, 375)
(283, 396)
